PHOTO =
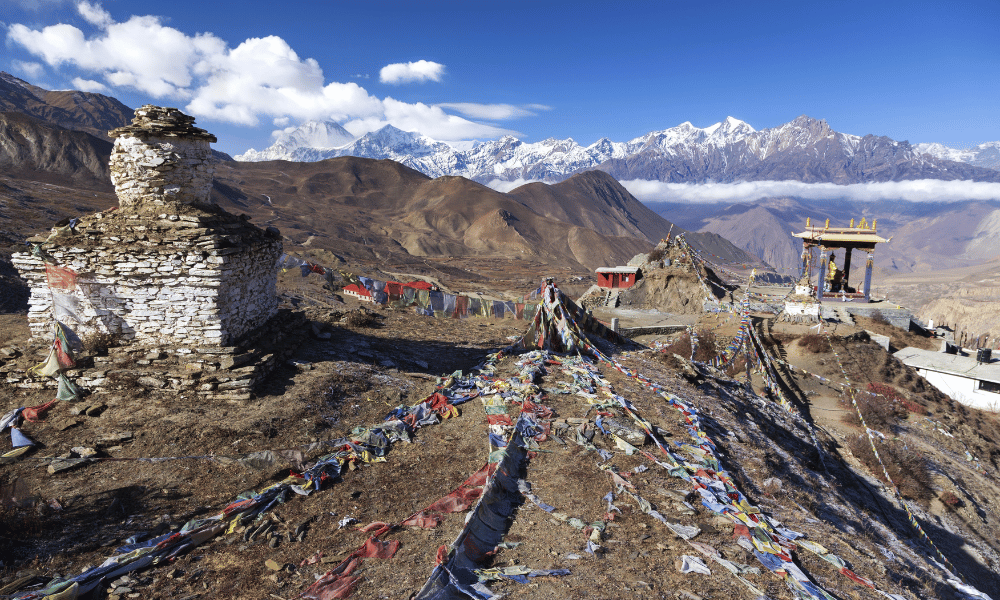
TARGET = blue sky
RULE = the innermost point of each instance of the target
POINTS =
(917, 71)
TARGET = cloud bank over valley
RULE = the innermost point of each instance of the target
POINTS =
(921, 190)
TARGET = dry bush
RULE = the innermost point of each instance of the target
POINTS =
(737, 366)
(680, 346)
(907, 467)
(658, 253)
(950, 500)
(97, 343)
(706, 346)
(879, 318)
(879, 413)
(815, 343)
(363, 318)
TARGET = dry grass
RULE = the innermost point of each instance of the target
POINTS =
(879, 413)
(907, 467)
(815, 343)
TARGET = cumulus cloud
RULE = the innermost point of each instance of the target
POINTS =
(259, 79)
(428, 120)
(921, 190)
(421, 70)
(506, 186)
(28, 69)
(493, 112)
(89, 85)
(94, 14)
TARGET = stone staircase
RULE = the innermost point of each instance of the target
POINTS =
(611, 298)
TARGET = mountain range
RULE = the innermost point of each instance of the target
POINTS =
(355, 208)
(804, 149)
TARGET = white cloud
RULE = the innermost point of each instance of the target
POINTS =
(259, 79)
(921, 190)
(506, 186)
(421, 70)
(89, 85)
(493, 112)
(428, 120)
(94, 14)
(28, 69)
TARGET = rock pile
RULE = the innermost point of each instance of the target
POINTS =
(161, 158)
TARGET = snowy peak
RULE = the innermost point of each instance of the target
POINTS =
(986, 155)
(804, 149)
(315, 134)
(309, 136)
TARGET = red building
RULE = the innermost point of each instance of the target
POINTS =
(617, 277)
(358, 292)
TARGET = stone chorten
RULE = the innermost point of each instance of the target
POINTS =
(167, 268)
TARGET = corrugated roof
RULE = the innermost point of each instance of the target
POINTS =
(954, 364)
(618, 270)
(840, 234)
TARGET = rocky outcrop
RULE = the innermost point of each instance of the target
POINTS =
(35, 149)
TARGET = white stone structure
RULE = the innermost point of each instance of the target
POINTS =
(161, 158)
(167, 267)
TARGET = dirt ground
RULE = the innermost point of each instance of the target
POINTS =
(61, 524)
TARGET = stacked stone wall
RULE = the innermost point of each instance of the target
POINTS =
(201, 280)
(161, 170)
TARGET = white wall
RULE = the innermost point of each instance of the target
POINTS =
(962, 389)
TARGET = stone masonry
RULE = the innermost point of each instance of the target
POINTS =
(167, 267)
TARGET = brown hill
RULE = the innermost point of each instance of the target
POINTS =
(595, 200)
(368, 209)
(95, 114)
(33, 149)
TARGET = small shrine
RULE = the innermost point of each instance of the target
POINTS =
(617, 277)
(820, 257)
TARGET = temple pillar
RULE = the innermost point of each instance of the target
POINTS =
(821, 278)
(847, 268)
(868, 275)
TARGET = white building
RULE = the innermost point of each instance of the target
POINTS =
(962, 378)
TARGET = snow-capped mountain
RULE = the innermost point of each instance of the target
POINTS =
(295, 144)
(984, 155)
(804, 149)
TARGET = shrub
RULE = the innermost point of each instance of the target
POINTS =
(878, 317)
(97, 343)
(878, 412)
(737, 366)
(658, 253)
(682, 347)
(950, 500)
(891, 393)
(815, 343)
(706, 346)
(886, 390)
(907, 467)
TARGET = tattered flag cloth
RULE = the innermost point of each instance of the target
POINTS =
(60, 278)
(60, 355)
(18, 439)
(36, 413)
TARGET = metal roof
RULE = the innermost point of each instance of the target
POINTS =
(618, 270)
(953, 364)
(840, 234)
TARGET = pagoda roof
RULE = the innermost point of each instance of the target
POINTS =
(840, 236)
